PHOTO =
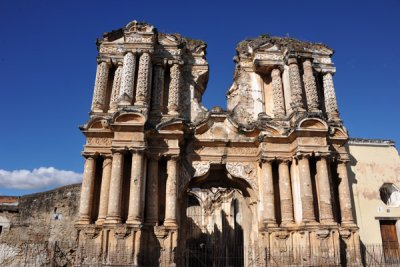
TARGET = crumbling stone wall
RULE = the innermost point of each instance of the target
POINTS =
(41, 228)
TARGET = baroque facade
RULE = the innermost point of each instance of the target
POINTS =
(165, 180)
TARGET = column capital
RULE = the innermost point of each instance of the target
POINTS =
(302, 155)
(342, 161)
(178, 62)
(160, 62)
(284, 161)
(276, 72)
(119, 63)
(120, 150)
(106, 156)
(292, 60)
(264, 159)
(105, 60)
(320, 155)
(153, 155)
(328, 71)
(173, 157)
(137, 150)
(93, 155)
(133, 52)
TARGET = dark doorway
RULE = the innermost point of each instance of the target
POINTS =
(214, 229)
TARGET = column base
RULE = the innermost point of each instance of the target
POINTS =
(311, 223)
(288, 224)
(170, 223)
(100, 221)
(270, 224)
(329, 222)
(133, 222)
(113, 220)
(83, 220)
(349, 224)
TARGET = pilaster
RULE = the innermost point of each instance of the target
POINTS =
(128, 79)
(285, 191)
(277, 90)
(100, 86)
(310, 86)
(115, 194)
(144, 80)
(171, 191)
(135, 212)
(295, 85)
(104, 189)
(324, 192)
(86, 202)
(307, 198)
(330, 97)
(116, 87)
(174, 90)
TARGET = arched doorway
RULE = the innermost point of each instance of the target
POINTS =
(216, 221)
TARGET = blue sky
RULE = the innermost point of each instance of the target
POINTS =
(48, 66)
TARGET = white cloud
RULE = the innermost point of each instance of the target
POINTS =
(43, 177)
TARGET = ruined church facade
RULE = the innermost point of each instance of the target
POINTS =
(166, 181)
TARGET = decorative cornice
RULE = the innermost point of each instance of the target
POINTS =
(370, 142)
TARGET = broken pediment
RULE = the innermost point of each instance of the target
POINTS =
(139, 27)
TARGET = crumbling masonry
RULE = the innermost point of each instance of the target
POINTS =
(164, 178)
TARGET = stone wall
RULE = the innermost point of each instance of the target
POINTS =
(40, 223)
(373, 163)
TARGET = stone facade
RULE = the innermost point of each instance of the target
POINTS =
(163, 176)
(33, 225)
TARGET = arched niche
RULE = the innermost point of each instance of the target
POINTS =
(129, 118)
(98, 123)
(313, 124)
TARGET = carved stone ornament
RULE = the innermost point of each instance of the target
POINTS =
(322, 234)
(160, 232)
(282, 234)
(201, 168)
(98, 141)
(239, 169)
(91, 231)
(345, 233)
(244, 171)
(121, 232)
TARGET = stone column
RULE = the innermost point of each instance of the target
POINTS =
(100, 87)
(346, 209)
(116, 87)
(324, 191)
(115, 193)
(86, 202)
(285, 191)
(174, 90)
(277, 90)
(171, 191)
(306, 189)
(295, 86)
(158, 90)
(135, 212)
(128, 80)
(152, 192)
(268, 193)
(104, 190)
(144, 80)
(310, 86)
(330, 97)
